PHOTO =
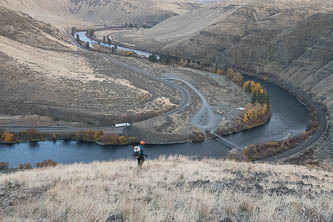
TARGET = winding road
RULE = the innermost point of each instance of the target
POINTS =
(204, 119)
(211, 123)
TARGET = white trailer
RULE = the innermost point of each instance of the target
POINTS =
(122, 125)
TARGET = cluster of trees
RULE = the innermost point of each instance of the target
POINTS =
(254, 112)
(7, 137)
(104, 138)
(167, 59)
(259, 106)
(130, 25)
(259, 151)
(73, 31)
(259, 94)
(86, 136)
(3, 165)
(234, 76)
(153, 58)
(91, 33)
(46, 163)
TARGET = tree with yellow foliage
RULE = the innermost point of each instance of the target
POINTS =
(236, 77)
(258, 93)
(254, 112)
(8, 137)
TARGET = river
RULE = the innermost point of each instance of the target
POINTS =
(289, 117)
(83, 37)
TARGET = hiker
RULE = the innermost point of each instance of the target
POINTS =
(138, 153)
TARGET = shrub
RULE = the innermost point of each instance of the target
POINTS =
(25, 166)
(32, 134)
(2, 131)
(220, 72)
(85, 135)
(3, 165)
(98, 134)
(46, 163)
(152, 58)
(198, 137)
(255, 112)
(8, 137)
(236, 77)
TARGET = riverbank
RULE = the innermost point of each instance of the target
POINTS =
(316, 128)
(236, 127)
(92, 136)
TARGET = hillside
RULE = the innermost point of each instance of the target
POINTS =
(47, 81)
(68, 13)
(42, 73)
(282, 39)
(173, 189)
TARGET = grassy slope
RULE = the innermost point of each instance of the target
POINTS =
(176, 189)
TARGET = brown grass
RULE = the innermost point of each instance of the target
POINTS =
(173, 189)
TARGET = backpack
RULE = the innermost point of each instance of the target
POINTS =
(136, 151)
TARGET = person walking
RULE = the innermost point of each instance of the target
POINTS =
(138, 153)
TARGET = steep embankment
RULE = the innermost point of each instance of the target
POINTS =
(42, 74)
(176, 189)
(67, 13)
(287, 40)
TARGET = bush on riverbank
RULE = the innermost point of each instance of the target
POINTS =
(260, 151)
(249, 124)
(100, 137)
(198, 137)
(254, 113)
(46, 163)
(104, 138)
(3, 165)
(234, 76)
(25, 166)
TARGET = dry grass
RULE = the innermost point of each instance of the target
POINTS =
(173, 189)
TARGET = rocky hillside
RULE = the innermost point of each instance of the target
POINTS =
(173, 189)
(101, 12)
(284, 39)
